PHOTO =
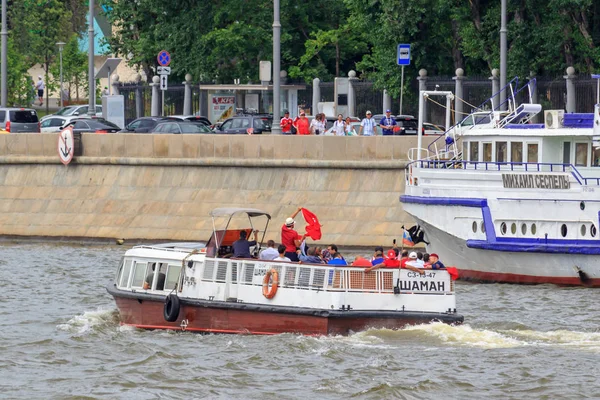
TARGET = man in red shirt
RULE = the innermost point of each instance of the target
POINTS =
(392, 262)
(286, 124)
(290, 238)
(302, 125)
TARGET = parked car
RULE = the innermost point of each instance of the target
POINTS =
(432, 129)
(143, 125)
(192, 118)
(181, 127)
(56, 123)
(93, 125)
(79, 110)
(408, 125)
(244, 124)
(15, 120)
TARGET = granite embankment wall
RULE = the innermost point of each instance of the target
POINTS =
(163, 186)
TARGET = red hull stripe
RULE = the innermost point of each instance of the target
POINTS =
(525, 279)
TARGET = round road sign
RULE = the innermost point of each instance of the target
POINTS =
(66, 145)
(164, 58)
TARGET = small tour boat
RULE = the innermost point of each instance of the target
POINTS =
(195, 287)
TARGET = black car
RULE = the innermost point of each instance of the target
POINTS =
(408, 125)
(93, 125)
(246, 124)
(142, 125)
(174, 126)
(191, 118)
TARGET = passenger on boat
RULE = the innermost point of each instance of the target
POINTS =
(281, 257)
(325, 255)
(311, 257)
(392, 262)
(332, 248)
(413, 260)
(435, 262)
(290, 238)
(270, 253)
(337, 260)
(241, 247)
(426, 261)
(160, 283)
(361, 262)
(377, 256)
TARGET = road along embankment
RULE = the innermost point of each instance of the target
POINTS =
(157, 187)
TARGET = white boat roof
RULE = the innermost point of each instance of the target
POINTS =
(529, 132)
(229, 211)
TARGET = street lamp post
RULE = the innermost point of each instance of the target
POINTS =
(61, 45)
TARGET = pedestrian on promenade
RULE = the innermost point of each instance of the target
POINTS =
(368, 125)
(40, 90)
(348, 128)
(339, 126)
(286, 123)
(387, 124)
(302, 125)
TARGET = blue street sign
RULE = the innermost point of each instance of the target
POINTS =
(403, 55)
(164, 58)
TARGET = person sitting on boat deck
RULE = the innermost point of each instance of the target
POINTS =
(333, 249)
(392, 262)
(426, 262)
(160, 283)
(325, 255)
(270, 253)
(414, 260)
(241, 247)
(311, 256)
(361, 262)
(377, 256)
(337, 260)
(281, 257)
(435, 262)
(290, 238)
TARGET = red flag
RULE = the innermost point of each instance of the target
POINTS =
(453, 271)
(314, 227)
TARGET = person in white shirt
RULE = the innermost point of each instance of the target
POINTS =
(339, 125)
(368, 126)
(414, 260)
(270, 253)
(40, 90)
(282, 257)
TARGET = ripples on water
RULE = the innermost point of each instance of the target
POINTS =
(61, 339)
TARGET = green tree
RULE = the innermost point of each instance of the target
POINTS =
(75, 69)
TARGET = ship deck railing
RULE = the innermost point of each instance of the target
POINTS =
(436, 163)
(316, 277)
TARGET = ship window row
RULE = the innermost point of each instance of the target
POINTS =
(138, 274)
(516, 152)
(564, 229)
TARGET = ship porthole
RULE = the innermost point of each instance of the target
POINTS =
(593, 230)
(563, 230)
(474, 227)
(503, 228)
(582, 205)
(524, 229)
(482, 227)
(513, 228)
(533, 229)
(583, 230)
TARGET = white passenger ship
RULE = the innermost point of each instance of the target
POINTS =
(196, 287)
(512, 201)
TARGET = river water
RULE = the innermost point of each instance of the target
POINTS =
(60, 338)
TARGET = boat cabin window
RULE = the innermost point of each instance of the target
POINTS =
(532, 152)
(465, 149)
(516, 152)
(155, 279)
(474, 151)
(581, 154)
(172, 276)
(124, 272)
(487, 152)
(596, 157)
(477, 119)
(567, 153)
(501, 151)
(139, 274)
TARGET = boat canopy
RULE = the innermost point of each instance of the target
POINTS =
(230, 211)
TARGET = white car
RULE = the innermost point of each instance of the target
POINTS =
(74, 111)
(432, 129)
(54, 123)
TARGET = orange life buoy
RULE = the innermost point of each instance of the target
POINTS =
(270, 293)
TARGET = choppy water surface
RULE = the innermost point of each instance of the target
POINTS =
(60, 338)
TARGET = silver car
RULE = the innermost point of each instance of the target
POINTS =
(17, 120)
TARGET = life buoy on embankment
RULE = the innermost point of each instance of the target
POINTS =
(269, 293)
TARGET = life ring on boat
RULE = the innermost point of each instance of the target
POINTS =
(172, 306)
(269, 293)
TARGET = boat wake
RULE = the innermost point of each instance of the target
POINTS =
(92, 321)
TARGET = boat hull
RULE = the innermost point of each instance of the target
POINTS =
(146, 312)
(491, 266)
